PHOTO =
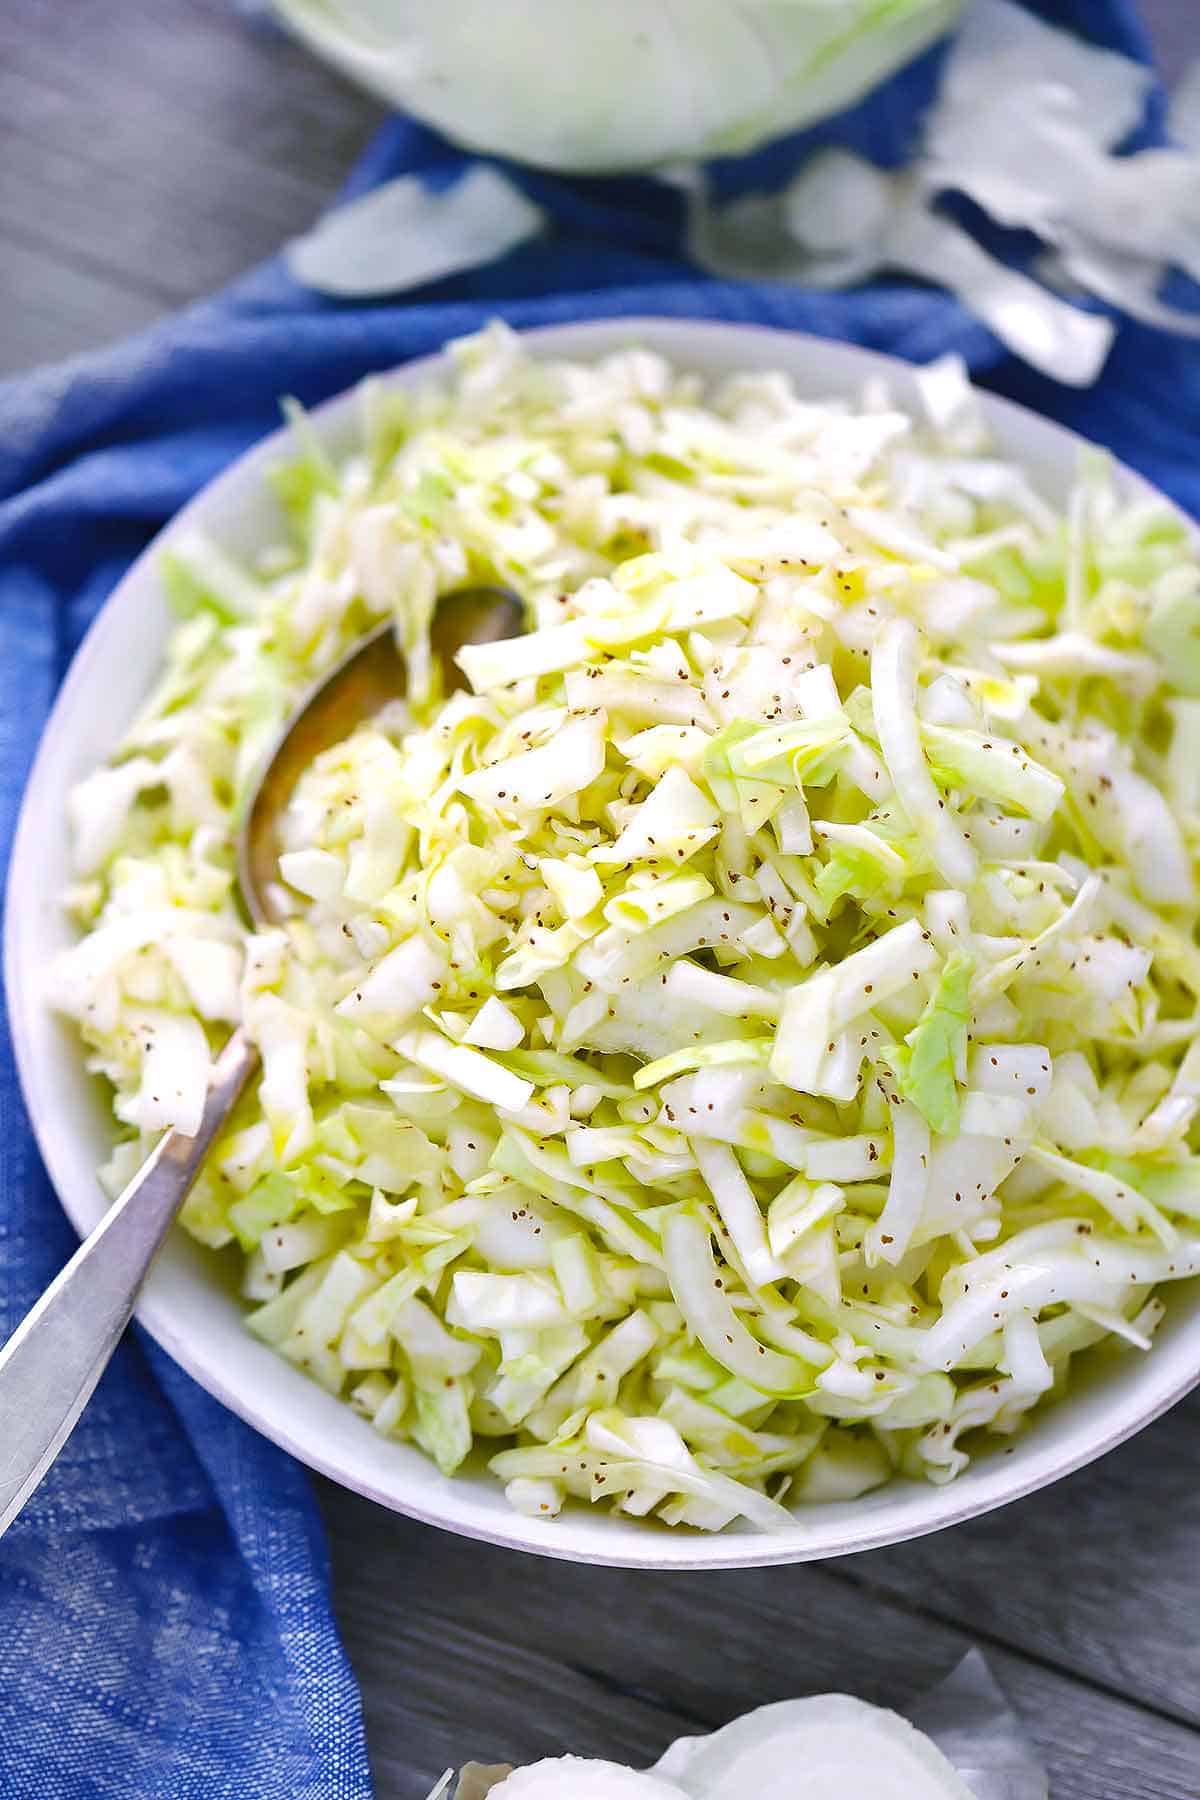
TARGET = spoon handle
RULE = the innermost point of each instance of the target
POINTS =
(58, 1352)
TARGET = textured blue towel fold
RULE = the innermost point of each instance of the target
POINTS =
(165, 1627)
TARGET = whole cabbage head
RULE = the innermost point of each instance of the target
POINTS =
(626, 84)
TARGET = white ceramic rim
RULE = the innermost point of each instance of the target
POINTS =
(311, 1425)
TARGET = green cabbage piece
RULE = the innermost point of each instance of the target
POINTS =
(744, 1042)
(926, 1064)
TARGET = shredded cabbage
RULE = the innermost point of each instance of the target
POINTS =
(744, 1045)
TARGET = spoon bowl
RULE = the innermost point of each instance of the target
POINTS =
(370, 675)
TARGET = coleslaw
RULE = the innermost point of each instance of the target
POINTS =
(743, 1046)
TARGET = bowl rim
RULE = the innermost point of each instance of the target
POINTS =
(916, 1509)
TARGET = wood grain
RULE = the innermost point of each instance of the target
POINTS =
(149, 151)
(148, 154)
(1099, 1574)
(468, 1651)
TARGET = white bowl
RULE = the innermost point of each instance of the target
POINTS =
(188, 1305)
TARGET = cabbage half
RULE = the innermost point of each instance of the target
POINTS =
(571, 85)
(829, 1747)
(742, 1047)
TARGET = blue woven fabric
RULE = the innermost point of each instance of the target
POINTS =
(165, 1628)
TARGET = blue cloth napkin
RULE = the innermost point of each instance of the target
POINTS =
(165, 1626)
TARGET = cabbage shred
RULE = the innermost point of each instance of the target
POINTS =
(742, 1046)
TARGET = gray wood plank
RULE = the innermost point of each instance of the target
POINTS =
(148, 152)
(464, 1650)
(1099, 1574)
(155, 150)
(48, 311)
(253, 89)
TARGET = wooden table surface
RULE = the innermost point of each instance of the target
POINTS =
(148, 152)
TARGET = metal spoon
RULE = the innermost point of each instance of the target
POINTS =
(52, 1362)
